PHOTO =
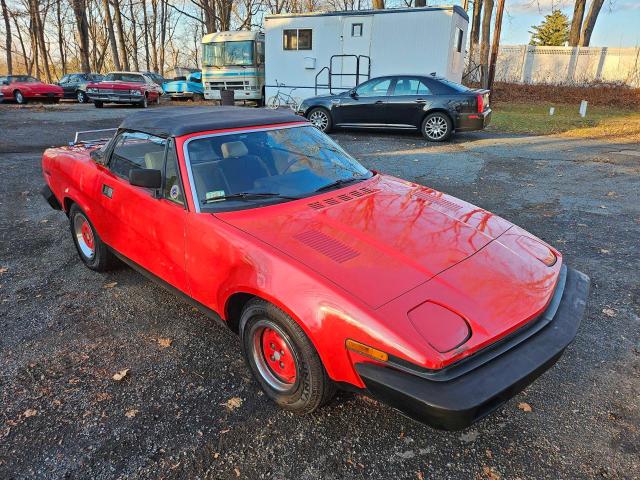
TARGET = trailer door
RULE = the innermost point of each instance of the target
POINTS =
(356, 41)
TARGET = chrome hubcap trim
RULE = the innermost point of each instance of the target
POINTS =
(86, 250)
(319, 120)
(436, 128)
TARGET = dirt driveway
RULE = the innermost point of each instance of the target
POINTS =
(187, 407)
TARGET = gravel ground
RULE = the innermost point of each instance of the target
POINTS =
(188, 408)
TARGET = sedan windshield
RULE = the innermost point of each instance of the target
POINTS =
(244, 170)
(124, 77)
(23, 79)
(228, 54)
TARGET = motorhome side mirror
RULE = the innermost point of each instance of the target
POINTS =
(353, 93)
(145, 177)
(98, 156)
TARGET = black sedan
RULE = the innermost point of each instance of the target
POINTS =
(74, 85)
(435, 106)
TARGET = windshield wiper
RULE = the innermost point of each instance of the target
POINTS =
(339, 182)
(250, 196)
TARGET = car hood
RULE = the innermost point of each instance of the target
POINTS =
(117, 85)
(38, 87)
(376, 239)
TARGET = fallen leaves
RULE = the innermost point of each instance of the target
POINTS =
(237, 471)
(420, 475)
(30, 412)
(525, 407)
(120, 375)
(233, 403)
(490, 473)
(3, 269)
(164, 342)
(609, 312)
(604, 251)
(131, 413)
(110, 285)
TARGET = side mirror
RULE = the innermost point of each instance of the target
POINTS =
(4, 82)
(145, 177)
(98, 156)
(353, 94)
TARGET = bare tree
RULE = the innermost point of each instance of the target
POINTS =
(7, 28)
(590, 22)
(61, 46)
(112, 35)
(120, 29)
(38, 36)
(134, 37)
(576, 22)
(475, 30)
(377, 4)
(484, 44)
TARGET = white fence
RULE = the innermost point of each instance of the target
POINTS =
(568, 65)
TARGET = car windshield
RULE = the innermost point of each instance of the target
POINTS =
(228, 54)
(22, 79)
(267, 166)
(124, 77)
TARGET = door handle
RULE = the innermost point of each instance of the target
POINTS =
(379, 102)
(421, 101)
(107, 191)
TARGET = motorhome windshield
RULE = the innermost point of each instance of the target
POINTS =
(228, 54)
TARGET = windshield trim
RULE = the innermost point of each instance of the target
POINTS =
(187, 160)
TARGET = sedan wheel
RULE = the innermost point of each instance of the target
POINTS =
(81, 97)
(437, 127)
(19, 97)
(321, 119)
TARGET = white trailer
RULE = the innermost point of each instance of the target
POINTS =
(311, 54)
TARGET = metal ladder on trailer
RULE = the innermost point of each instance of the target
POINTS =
(360, 72)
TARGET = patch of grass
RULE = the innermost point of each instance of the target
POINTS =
(600, 122)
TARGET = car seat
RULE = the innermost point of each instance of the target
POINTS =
(240, 168)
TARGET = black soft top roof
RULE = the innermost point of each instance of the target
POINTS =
(177, 121)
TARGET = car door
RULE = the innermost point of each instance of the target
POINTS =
(409, 99)
(365, 105)
(66, 85)
(145, 226)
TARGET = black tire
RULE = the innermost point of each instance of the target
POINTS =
(55, 100)
(321, 119)
(20, 98)
(437, 127)
(144, 103)
(197, 97)
(102, 259)
(81, 97)
(312, 387)
(98, 103)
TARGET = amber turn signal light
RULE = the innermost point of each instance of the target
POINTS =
(367, 350)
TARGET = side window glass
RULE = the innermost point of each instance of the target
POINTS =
(137, 150)
(64, 79)
(423, 89)
(405, 86)
(172, 189)
(375, 88)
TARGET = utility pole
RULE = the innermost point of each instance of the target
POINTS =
(465, 5)
(496, 44)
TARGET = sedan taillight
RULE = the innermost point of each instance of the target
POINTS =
(480, 104)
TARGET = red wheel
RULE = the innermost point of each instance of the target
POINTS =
(93, 252)
(276, 355)
(282, 358)
(84, 236)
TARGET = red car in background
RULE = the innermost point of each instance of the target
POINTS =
(24, 88)
(125, 87)
(334, 276)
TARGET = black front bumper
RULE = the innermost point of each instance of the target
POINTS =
(482, 383)
(50, 198)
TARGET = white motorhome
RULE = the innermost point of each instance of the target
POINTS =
(329, 52)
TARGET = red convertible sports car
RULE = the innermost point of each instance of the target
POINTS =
(334, 276)
(23, 88)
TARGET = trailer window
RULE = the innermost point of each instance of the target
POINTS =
(459, 35)
(356, 29)
(297, 39)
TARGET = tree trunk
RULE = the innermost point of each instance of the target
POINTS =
(39, 35)
(590, 22)
(377, 4)
(484, 44)
(121, 41)
(27, 62)
(112, 35)
(475, 31)
(576, 23)
(163, 35)
(146, 34)
(134, 37)
(7, 28)
(63, 59)
(154, 38)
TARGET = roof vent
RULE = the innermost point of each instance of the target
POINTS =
(330, 247)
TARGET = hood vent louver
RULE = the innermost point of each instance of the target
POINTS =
(330, 247)
(343, 197)
(433, 197)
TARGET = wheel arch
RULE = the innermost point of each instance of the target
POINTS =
(441, 110)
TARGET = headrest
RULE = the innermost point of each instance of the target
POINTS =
(154, 160)
(234, 149)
